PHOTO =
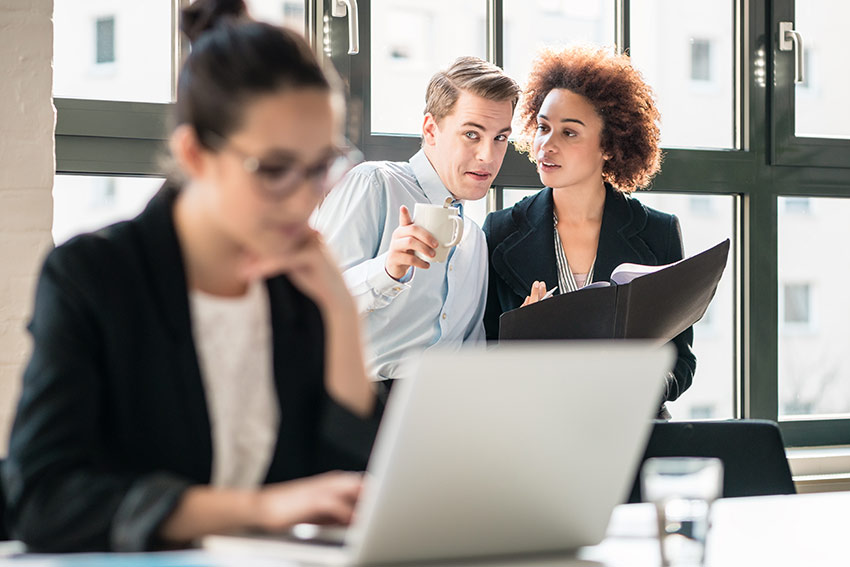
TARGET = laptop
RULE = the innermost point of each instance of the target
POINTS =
(525, 448)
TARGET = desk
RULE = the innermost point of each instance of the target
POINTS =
(800, 530)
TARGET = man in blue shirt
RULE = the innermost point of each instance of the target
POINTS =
(410, 304)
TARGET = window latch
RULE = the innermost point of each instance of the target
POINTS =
(339, 9)
(791, 40)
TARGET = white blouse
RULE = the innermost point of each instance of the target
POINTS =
(568, 280)
(233, 341)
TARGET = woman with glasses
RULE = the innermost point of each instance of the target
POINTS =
(199, 368)
(590, 124)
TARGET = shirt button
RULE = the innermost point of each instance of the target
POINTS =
(451, 268)
(444, 315)
(396, 288)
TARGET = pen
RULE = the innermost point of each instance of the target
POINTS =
(549, 293)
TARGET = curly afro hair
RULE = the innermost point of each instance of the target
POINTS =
(630, 132)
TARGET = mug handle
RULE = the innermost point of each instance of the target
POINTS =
(457, 233)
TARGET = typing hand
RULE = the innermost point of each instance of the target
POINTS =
(327, 498)
(406, 241)
(538, 290)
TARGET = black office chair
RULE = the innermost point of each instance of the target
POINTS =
(753, 455)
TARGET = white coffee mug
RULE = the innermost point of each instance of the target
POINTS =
(444, 223)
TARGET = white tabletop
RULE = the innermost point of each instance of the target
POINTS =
(776, 531)
(795, 530)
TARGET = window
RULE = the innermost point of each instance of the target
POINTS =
(818, 113)
(293, 11)
(797, 205)
(701, 205)
(814, 377)
(809, 76)
(409, 44)
(708, 318)
(84, 203)
(514, 196)
(105, 38)
(686, 51)
(289, 13)
(532, 25)
(714, 334)
(700, 60)
(117, 50)
(796, 304)
(702, 412)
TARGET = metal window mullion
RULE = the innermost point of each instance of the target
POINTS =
(495, 32)
(739, 333)
(112, 119)
(98, 155)
(761, 283)
(812, 431)
(311, 29)
(179, 44)
(495, 198)
(741, 74)
(622, 22)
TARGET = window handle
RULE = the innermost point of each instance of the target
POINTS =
(339, 8)
(791, 40)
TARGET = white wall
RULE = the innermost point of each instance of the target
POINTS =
(26, 178)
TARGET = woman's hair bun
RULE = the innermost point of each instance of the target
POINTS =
(203, 15)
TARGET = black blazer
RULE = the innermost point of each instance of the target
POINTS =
(521, 245)
(112, 424)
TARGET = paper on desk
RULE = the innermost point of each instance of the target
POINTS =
(633, 521)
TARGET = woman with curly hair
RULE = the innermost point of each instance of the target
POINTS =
(590, 124)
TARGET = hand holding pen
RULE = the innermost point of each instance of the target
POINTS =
(538, 293)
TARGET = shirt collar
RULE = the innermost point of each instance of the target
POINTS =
(428, 179)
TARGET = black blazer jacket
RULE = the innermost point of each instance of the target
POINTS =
(521, 245)
(112, 423)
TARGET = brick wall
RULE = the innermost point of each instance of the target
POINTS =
(27, 164)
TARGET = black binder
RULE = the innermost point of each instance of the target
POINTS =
(657, 305)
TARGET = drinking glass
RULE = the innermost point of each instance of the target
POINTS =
(683, 490)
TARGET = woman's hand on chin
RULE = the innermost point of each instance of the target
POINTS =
(312, 269)
(310, 266)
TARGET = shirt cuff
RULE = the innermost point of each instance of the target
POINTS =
(383, 284)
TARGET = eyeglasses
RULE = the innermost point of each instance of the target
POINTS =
(279, 178)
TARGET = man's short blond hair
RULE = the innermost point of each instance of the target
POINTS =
(469, 74)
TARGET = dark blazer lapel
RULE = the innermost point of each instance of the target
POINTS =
(164, 260)
(164, 263)
(623, 219)
(527, 254)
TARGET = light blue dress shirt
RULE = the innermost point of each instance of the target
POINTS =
(443, 305)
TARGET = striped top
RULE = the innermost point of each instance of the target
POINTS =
(567, 280)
